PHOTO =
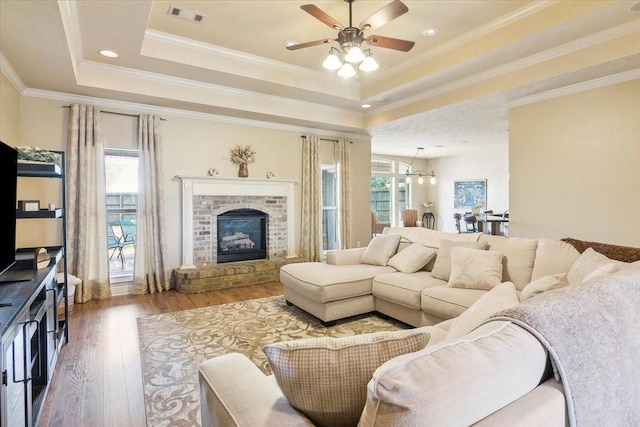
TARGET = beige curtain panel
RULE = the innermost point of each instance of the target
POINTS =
(151, 272)
(311, 236)
(343, 161)
(87, 256)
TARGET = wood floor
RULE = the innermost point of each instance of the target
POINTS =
(98, 378)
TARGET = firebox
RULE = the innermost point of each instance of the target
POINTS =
(242, 235)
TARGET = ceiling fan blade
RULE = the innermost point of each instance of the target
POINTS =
(317, 13)
(384, 15)
(390, 43)
(309, 44)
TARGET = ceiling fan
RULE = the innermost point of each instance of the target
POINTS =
(351, 38)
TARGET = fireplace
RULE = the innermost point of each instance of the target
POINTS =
(242, 235)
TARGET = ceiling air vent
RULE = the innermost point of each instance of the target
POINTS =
(185, 14)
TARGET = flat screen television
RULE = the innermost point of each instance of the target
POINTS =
(9, 179)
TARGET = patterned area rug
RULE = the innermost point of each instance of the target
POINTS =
(173, 344)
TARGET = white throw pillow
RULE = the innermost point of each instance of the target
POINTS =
(442, 266)
(589, 262)
(326, 378)
(499, 298)
(475, 268)
(544, 284)
(380, 249)
(412, 258)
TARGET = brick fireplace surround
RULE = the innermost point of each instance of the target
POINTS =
(203, 199)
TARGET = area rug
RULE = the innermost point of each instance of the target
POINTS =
(173, 344)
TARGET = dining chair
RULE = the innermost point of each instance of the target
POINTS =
(409, 217)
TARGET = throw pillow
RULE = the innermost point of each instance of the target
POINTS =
(326, 378)
(588, 262)
(380, 249)
(544, 284)
(499, 298)
(442, 266)
(475, 268)
(412, 258)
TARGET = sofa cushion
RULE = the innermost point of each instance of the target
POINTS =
(412, 258)
(380, 250)
(519, 256)
(591, 264)
(446, 302)
(544, 284)
(456, 383)
(403, 289)
(553, 257)
(499, 298)
(430, 238)
(326, 378)
(442, 267)
(325, 283)
(475, 268)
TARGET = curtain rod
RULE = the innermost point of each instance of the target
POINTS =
(119, 114)
(326, 139)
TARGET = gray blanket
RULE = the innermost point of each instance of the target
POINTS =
(592, 333)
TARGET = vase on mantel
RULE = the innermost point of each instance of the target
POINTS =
(243, 170)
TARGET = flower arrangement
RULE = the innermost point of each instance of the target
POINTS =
(242, 155)
(428, 205)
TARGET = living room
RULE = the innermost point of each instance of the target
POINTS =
(567, 165)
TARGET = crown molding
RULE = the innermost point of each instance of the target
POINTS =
(469, 36)
(207, 56)
(137, 108)
(11, 75)
(575, 88)
(549, 54)
(71, 24)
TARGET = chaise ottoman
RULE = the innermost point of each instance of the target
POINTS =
(328, 291)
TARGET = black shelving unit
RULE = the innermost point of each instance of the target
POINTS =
(53, 171)
(33, 330)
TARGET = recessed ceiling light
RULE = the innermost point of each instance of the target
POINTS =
(430, 31)
(108, 53)
(366, 106)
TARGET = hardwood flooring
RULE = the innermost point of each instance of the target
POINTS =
(98, 377)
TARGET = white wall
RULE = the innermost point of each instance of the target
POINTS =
(491, 164)
(191, 147)
(575, 166)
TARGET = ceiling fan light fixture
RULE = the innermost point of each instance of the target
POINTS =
(354, 55)
(347, 71)
(369, 64)
(332, 62)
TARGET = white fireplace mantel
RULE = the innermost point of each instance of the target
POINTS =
(214, 186)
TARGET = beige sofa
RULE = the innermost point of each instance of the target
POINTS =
(344, 286)
(474, 370)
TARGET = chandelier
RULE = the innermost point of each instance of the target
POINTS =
(420, 173)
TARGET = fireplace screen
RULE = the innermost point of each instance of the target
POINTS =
(242, 235)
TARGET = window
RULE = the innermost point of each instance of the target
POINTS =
(121, 179)
(329, 207)
(390, 193)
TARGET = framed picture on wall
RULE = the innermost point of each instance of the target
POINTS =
(470, 194)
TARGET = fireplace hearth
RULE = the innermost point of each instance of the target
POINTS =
(242, 235)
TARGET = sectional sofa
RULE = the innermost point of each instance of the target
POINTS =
(360, 280)
(520, 332)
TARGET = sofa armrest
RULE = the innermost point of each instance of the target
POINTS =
(234, 392)
(345, 256)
